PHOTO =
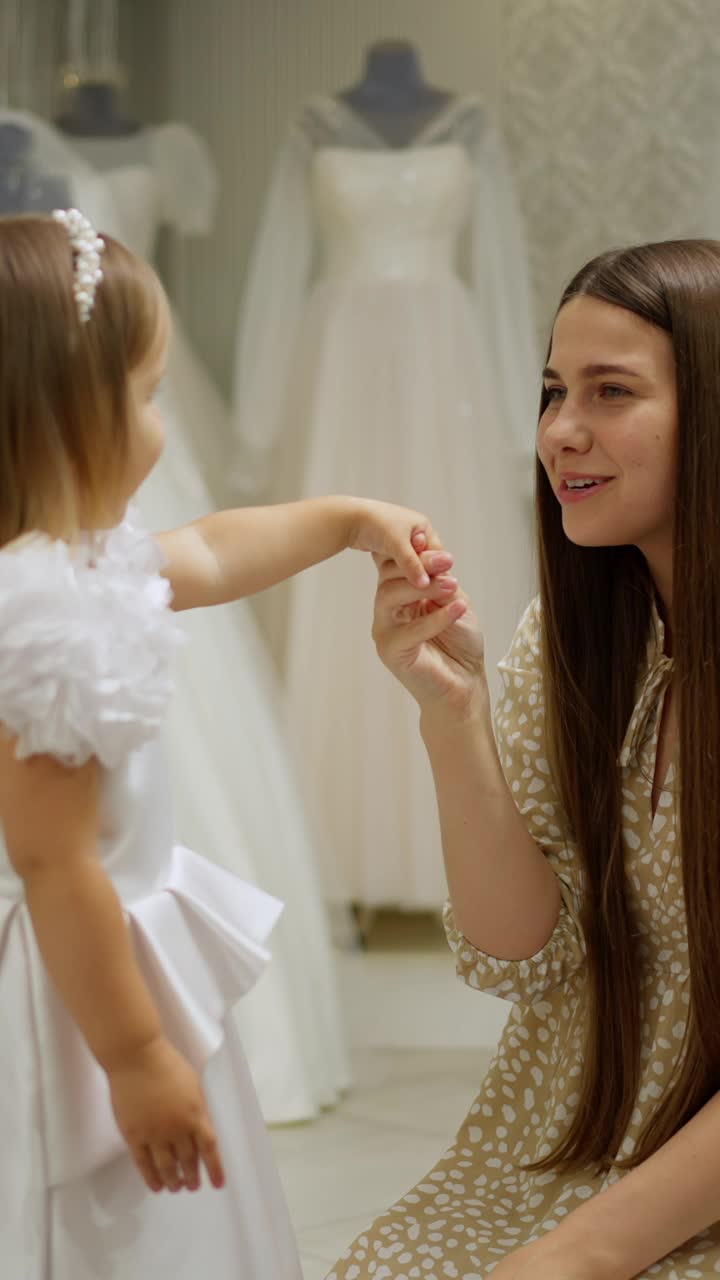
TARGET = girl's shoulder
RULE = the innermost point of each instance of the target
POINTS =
(86, 638)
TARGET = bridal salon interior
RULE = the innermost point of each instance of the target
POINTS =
(363, 213)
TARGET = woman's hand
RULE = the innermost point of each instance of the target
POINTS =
(162, 1114)
(394, 534)
(550, 1259)
(427, 636)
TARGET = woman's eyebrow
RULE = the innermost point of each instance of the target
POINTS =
(595, 371)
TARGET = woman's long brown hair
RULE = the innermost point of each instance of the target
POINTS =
(596, 608)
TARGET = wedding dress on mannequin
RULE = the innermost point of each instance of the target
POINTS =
(386, 347)
(235, 792)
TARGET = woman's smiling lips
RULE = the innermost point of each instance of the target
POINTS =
(577, 486)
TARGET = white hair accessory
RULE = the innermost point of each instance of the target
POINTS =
(87, 246)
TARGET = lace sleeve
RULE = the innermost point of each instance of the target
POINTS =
(187, 178)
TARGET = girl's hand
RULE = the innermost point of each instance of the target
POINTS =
(428, 637)
(162, 1114)
(395, 534)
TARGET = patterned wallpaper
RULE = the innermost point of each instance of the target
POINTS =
(610, 111)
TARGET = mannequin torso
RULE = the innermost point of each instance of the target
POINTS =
(94, 111)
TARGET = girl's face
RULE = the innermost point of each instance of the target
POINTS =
(612, 422)
(147, 432)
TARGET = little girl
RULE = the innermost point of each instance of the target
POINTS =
(120, 951)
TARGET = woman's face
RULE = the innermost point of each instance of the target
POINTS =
(612, 420)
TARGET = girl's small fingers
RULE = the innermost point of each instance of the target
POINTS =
(432, 562)
(411, 565)
(210, 1155)
(166, 1165)
(146, 1165)
(430, 537)
(186, 1157)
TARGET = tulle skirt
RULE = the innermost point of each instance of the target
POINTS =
(108, 1224)
(234, 787)
(391, 396)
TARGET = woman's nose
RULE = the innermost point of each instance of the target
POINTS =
(566, 429)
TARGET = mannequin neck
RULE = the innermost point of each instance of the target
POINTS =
(94, 111)
(393, 66)
(393, 95)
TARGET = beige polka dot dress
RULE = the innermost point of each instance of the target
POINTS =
(477, 1204)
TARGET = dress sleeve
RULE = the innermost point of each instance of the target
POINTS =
(519, 729)
(269, 318)
(188, 184)
(84, 652)
(501, 283)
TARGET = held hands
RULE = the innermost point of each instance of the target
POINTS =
(427, 636)
(394, 534)
(162, 1114)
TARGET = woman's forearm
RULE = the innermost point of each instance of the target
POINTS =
(505, 895)
(654, 1209)
(84, 942)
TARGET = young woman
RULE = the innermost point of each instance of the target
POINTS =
(582, 842)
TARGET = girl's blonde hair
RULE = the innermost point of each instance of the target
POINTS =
(64, 411)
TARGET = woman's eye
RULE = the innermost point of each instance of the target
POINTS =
(554, 394)
(614, 393)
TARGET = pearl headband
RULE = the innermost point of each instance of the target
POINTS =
(87, 247)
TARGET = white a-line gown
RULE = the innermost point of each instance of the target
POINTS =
(234, 786)
(86, 640)
(386, 348)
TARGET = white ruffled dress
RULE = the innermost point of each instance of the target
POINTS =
(86, 638)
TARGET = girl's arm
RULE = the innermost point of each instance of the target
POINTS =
(235, 553)
(651, 1211)
(49, 821)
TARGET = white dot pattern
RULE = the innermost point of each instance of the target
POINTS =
(478, 1204)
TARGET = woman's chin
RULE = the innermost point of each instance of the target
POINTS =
(588, 536)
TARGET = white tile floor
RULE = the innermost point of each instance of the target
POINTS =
(401, 1115)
